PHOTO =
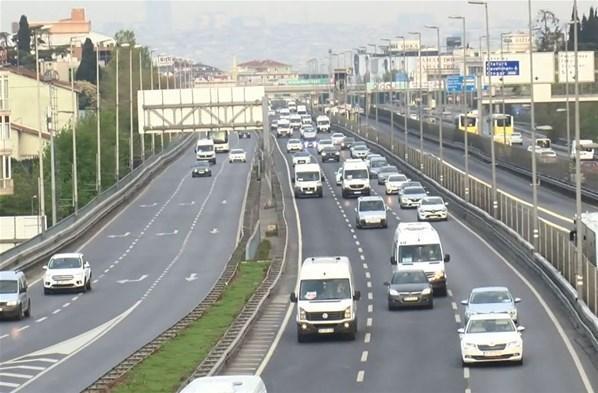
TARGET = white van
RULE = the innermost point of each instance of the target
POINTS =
(586, 149)
(301, 109)
(204, 150)
(295, 122)
(307, 180)
(226, 383)
(323, 123)
(326, 298)
(417, 244)
(355, 179)
(284, 128)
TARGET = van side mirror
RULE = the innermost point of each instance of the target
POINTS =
(573, 235)
(461, 331)
(464, 302)
(45, 267)
(386, 284)
(393, 261)
(86, 265)
(356, 295)
(447, 258)
(520, 329)
(293, 297)
(322, 178)
(517, 300)
(293, 179)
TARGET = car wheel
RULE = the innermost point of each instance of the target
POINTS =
(84, 288)
(418, 218)
(28, 312)
(519, 362)
(230, 161)
(390, 307)
(88, 285)
(20, 313)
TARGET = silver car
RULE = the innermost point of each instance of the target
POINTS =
(491, 300)
(359, 152)
(432, 208)
(385, 172)
(411, 196)
(371, 212)
(14, 295)
(394, 183)
(375, 165)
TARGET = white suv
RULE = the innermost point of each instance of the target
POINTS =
(67, 271)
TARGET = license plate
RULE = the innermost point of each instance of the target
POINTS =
(410, 298)
(357, 192)
(326, 330)
(491, 353)
(372, 221)
(308, 191)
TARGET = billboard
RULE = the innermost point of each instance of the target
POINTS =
(544, 69)
(453, 42)
(585, 62)
(164, 61)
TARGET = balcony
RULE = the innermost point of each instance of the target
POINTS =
(6, 187)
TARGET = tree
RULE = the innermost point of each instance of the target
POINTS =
(549, 32)
(87, 68)
(125, 37)
(24, 35)
(4, 37)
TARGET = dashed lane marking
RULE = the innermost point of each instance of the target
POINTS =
(367, 338)
(364, 356)
(360, 376)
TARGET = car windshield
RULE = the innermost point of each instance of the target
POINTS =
(356, 174)
(301, 154)
(412, 184)
(348, 140)
(307, 176)
(205, 148)
(325, 142)
(433, 201)
(409, 277)
(419, 253)
(323, 122)
(413, 191)
(360, 147)
(8, 286)
(503, 325)
(329, 149)
(490, 297)
(293, 141)
(325, 289)
(370, 206)
(397, 178)
(378, 163)
(337, 135)
(388, 169)
(64, 263)
(237, 151)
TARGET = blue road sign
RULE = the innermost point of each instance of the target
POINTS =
(502, 68)
(454, 84)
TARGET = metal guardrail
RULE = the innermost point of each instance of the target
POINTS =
(253, 243)
(553, 254)
(107, 381)
(28, 253)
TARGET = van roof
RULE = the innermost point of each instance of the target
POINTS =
(416, 233)
(325, 267)
(205, 141)
(358, 164)
(226, 384)
(10, 274)
(312, 167)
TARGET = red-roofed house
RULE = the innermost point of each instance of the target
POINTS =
(263, 71)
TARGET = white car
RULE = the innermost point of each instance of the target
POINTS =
(491, 338)
(237, 155)
(301, 157)
(516, 138)
(67, 271)
(360, 152)
(394, 183)
(294, 145)
(432, 208)
(322, 143)
(337, 138)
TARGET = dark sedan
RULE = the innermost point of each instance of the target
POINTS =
(330, 153)
(347, 142)
(408, 288)
(202, 168)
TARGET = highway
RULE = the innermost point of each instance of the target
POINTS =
(520, 187)
(418, 350)
(152, 263)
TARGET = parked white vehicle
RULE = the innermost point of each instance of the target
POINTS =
(67, 271)
(326, 298)
(491, 338)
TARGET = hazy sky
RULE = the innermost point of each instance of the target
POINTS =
(290, 31)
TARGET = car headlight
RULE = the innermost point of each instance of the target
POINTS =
(302, 314)
(467, 345)
(514, 344)
(393, 292)
(348, 313)
(427, 291)
(11, 303)
(403, 199)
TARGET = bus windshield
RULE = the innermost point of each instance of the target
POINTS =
(218, 136)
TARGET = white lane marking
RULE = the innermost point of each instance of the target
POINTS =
(362, 257)
(357, 243)
(368, 322)
(355, 237)
(370, 295)
(107, 270)
(191, 277)
(17, 361)
(368, 275)
(214, 231)
(23, 328)
(290, 307)
(75, 298)
(8, 384)
(551, 316)
(66, 304)
(370, 308)
(119, 236)
(457, 318)
(364, 356)
(365, 266)
(466, 372)
(449, 292)
(468, 390)
(35, 368)
(56, 311)
(187, 203)
(3, 336)
(360, 250)
(454, 306)
(360, 376)
(39, 320)
(143, 277)
(94, 281)
(369, 284)
(149, 204)
(167, 233)
(16, 375)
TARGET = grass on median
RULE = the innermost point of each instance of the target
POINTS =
(166, 369)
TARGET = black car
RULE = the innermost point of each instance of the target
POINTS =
(409, 287)
(347, 142)
(201, 169)
(330, 153)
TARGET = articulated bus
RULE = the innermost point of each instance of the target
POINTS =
(472, 122)
(220, 138)
(503, 128)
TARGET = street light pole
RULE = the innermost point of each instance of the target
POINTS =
(152, 88)
(535, 233)
(502, 90)
(131, 151)
(567, 89)
(419, 87)
(464, 106)
(490, 111)
(406, 97)
(439, 108)
(74, 131)
(98, 113)
(392, 126)
(141, 136)
(117, 129)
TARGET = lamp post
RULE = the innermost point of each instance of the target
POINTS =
(464, 107)
(141, 136)
(375, 46)
(439, 108)
(98, 122)
(566, 38)
(579, 283)
(502, 89)
(419, 87)
(117, 128)
(406, 97)
(535, 233)
(490, 110)
(152, 88)
(74, 130)
(40, 147)
(392, 127)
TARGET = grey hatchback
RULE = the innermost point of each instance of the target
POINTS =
(14, 295)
